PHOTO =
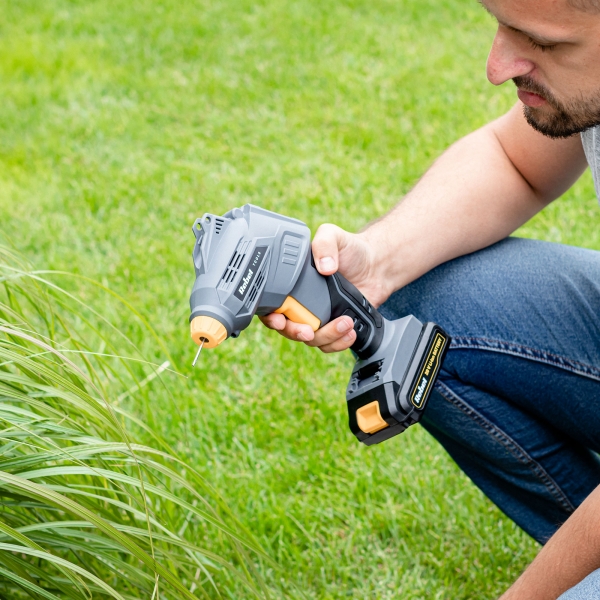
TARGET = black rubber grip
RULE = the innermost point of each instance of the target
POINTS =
(368, 323)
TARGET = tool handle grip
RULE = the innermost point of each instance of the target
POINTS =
(316, 300)
(347, 300)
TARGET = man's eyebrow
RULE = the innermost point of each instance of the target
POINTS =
(534, 36)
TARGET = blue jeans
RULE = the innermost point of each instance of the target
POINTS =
(517, 403)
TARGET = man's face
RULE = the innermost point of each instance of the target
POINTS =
(552, 53)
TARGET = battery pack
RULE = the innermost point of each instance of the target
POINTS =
(389, 392)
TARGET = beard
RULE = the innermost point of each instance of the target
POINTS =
(564, 119)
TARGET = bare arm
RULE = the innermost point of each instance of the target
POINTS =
(479, 191)
(570, 555)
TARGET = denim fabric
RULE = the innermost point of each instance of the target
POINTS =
(517, 403)
(588, 589)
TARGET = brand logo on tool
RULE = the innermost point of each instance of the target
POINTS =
(420, 391)
(429, 370)
(250, 273)
(246, 280)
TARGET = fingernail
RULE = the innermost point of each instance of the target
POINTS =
(302, 337)
(348, 336)
(344, 325)
(327, 263)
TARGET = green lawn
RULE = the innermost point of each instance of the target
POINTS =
(121, 122)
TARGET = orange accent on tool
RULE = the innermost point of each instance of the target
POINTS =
(369, 418)
(294, 311)
(208, 328)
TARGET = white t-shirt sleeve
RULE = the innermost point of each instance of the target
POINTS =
(591, 146)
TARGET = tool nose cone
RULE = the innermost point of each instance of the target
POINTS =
(208, 328)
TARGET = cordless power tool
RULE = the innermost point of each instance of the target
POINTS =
(254, 261)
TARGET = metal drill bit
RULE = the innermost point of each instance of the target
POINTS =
(198, 353)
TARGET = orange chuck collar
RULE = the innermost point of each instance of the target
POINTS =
(207, 330)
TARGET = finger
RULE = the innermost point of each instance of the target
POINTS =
(325, 247)
(342, 343)
(293, 331)
(332, 332)
(274, 321)
(297, 332)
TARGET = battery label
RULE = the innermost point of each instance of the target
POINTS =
(245, 282)
(429, 371)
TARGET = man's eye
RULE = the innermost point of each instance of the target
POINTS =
(542, 47)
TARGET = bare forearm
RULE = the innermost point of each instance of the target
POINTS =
(474, 195)
(570, 555)
(470, 198)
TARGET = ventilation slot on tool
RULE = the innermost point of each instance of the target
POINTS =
(255, 288)
(219, 225)
(257, 284)
(233, 267)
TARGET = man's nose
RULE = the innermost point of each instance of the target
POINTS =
(506, 60)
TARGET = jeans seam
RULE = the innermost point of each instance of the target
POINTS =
(509, 443)
(526, 352)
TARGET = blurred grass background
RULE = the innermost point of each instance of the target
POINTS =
(121, 122)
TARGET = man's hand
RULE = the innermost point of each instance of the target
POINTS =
(353, 255)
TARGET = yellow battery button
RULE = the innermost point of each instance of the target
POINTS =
(369, 418)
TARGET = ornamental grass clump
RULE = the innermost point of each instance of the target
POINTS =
(86, 511)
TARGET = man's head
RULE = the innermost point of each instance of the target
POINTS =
(551, 50)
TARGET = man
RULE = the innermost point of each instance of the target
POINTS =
(517, 404)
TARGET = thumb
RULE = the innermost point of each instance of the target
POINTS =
(326, 248)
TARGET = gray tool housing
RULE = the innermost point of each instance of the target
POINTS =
(225, 255)
(250, 260)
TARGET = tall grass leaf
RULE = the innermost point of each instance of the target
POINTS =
(87, 510)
